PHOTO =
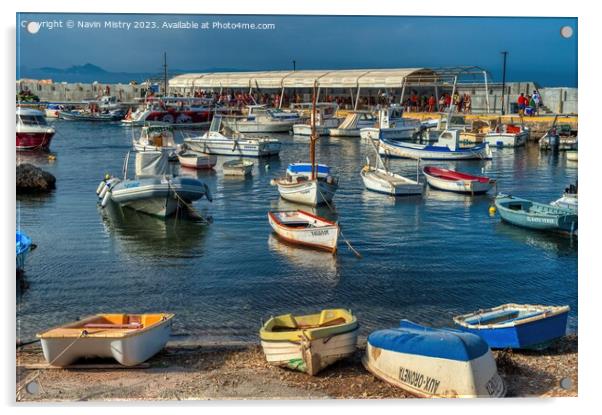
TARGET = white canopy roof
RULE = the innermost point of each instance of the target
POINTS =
(348, 78)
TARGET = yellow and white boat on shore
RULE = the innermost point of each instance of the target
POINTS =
(311, 342)
(128, 338)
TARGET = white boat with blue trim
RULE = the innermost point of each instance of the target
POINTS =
(299, 186)
(221, 140)
(433, 363)
(446, 148)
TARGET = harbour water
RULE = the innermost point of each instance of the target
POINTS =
(425, 259)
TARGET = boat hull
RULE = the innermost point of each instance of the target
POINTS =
(506, 140)
(157, 197)
(432, 377)
(310, 192)
(572, 155)
(379, 183)
(27, 141)
(535, 335)
(429, 152)
(261, 126)
(323, 237)
(200, 162)
(505, 327)
(459, 186)
(399, 133)
(305, 129)
(344, 132)
(92, 118)
(566, 221)
(310, 356)
(242, 148)
(128, 351)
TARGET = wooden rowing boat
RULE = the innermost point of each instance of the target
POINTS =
(516, 326)
(309, 343)
(303, 228)
(455, 181)
(128, 338)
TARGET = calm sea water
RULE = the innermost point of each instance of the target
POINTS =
(425, 259)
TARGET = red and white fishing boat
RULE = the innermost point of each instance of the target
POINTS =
(303, 228)
(455, 181)
(33, 132)
(193, 160)
(176, 110)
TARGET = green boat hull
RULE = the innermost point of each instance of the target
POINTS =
(533, 215)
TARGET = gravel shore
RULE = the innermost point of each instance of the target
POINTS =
(202, 372)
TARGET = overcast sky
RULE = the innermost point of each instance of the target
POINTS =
(537, 50)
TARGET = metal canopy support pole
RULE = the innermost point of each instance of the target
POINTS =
(436, 95)
(486, 91)
(318, 95)
(449, 112)
(281, 97)
(351, 95)
(403, 90)
(357, 98)
(504, 81)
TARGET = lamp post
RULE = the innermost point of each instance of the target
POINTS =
(505, 53)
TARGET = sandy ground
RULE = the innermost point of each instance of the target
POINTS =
(189, 372)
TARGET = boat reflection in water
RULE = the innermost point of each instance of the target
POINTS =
(139, 234)
(320, 265)
(557, 245)
(434, 196)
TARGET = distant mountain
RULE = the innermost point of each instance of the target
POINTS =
(88, 73)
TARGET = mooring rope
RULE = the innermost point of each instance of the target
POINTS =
(340, 230)
(191, 209)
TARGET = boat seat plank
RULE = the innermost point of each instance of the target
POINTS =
(330, 323)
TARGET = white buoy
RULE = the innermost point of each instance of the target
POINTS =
(100, 187)
(105, 199)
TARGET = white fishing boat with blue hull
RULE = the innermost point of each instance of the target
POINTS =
(433, 363)
(517, 326)
(221, 140)
(446, 148)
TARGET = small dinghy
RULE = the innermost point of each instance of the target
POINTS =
(533, 215)
(433, 363)
(455, 181)
(194, 160)
(517, 326)
(309, 343)
(237, 167)
(23, 246)
(303, 228)
(128, 338)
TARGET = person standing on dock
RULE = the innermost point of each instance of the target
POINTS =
(522, 103)
(432, 101)
(537, 100)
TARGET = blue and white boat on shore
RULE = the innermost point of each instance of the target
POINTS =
(433, 363)
(24, 245)
(446, 148)
(516, 326)
(222, 140)
(537, 216)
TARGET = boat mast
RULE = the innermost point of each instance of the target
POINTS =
(312, 140)
(164, 74)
